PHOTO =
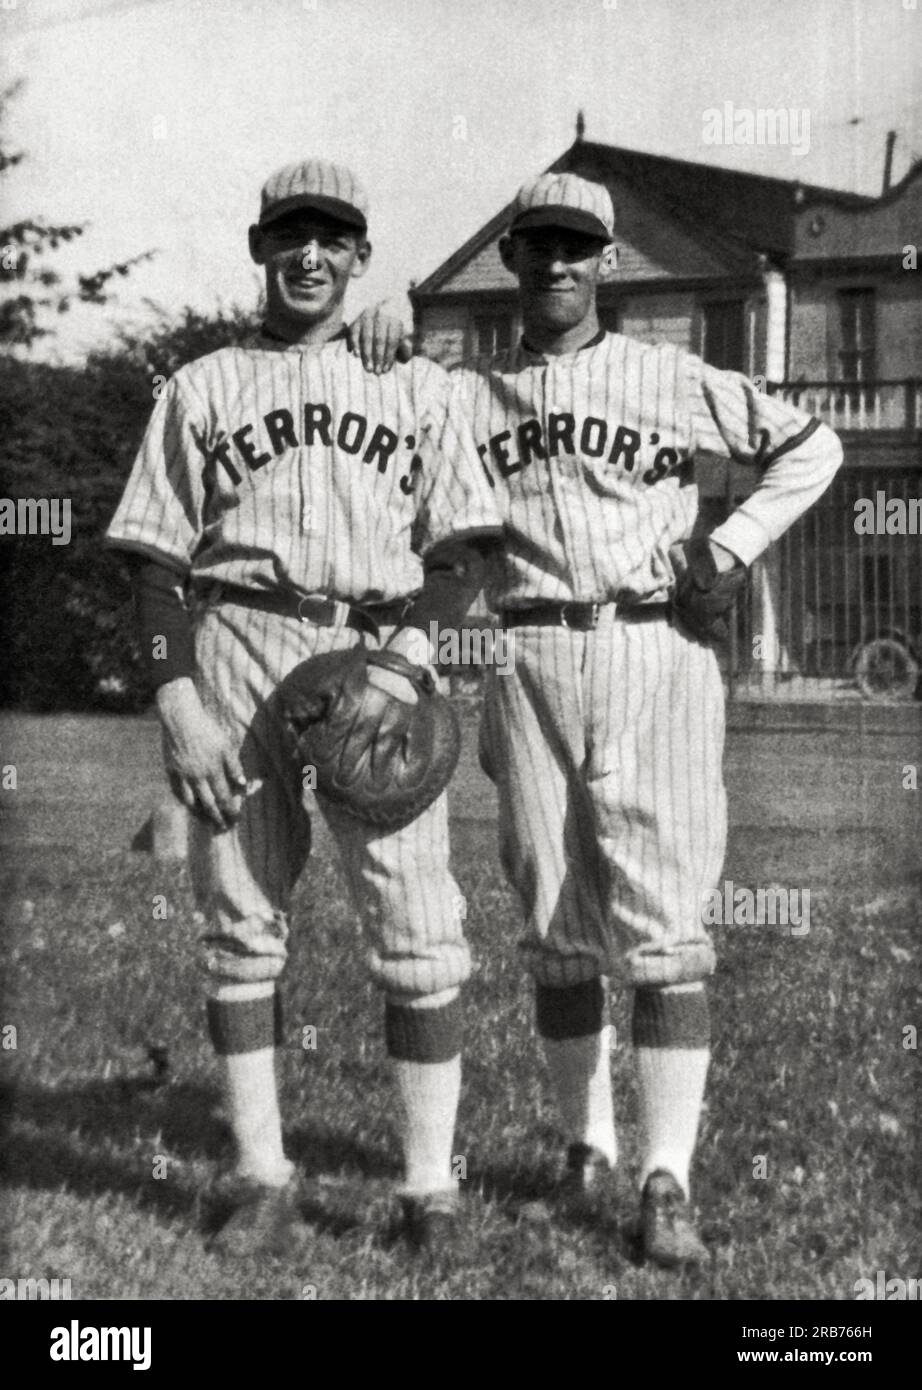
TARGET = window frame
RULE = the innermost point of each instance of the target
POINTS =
(858, 340)
(496, 322)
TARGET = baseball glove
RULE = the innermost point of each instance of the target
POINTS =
(378, 758)
(702, 598)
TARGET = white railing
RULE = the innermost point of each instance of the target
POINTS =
(855, 405)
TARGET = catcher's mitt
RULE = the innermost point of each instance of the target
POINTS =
(377, 757)
(702, 598)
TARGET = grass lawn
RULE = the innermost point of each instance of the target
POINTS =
(809, 1070)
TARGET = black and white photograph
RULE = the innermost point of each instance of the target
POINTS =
(461, 703)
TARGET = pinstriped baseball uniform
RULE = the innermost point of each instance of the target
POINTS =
(606, 745)
(274, 466)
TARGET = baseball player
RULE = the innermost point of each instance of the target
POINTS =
(286, 503)
(606, 740)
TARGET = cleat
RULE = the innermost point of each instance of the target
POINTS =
(668, 1234)
(267, 1221)
(431, 1222)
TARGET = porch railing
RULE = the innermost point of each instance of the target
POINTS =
(857, 405)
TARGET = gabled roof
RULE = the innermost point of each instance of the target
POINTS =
(754, 208)
(464, 253)
(753, 214)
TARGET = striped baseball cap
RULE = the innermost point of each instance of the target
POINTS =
(315, 183)
(564, 200)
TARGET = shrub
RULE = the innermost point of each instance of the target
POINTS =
(73, 432)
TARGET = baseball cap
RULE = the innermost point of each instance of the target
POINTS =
(315, 183)
(564, 200)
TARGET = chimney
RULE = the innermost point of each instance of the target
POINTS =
(580, 125)
(888, 160)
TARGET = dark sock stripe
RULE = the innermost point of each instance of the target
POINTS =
(245, 1025)
(575, 1011)
(664, 1018)
(423, 1035)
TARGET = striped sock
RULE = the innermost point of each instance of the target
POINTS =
(576, 1049)
(671, 1030)
(244, 1021)
(424, 1045)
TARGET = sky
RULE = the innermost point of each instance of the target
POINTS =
(156, 121)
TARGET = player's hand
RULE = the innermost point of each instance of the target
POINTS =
(412, 643)
(380, 338)
(708, 579)
(204, 769)
(724, 559)
(393, 684)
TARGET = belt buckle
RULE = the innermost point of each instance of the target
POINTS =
(593, 619)
(327, 605)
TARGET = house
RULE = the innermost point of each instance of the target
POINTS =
(814, 293)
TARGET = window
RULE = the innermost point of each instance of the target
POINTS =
(856, 335)
(723, 334)
(492, 333)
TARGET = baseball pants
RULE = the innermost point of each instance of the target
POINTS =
(606, 748)
(401, 883)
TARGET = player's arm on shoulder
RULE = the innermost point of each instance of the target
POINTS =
(380, 336)
(796, 455)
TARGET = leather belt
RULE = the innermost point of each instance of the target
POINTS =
(311, 608)
(581, 617)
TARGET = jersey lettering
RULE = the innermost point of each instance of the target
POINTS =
(561, 432)
(381, 446)
(294, 467)
(247, 451)
(317, 420)
(626, 442)
(281, 430)
(560, 429)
